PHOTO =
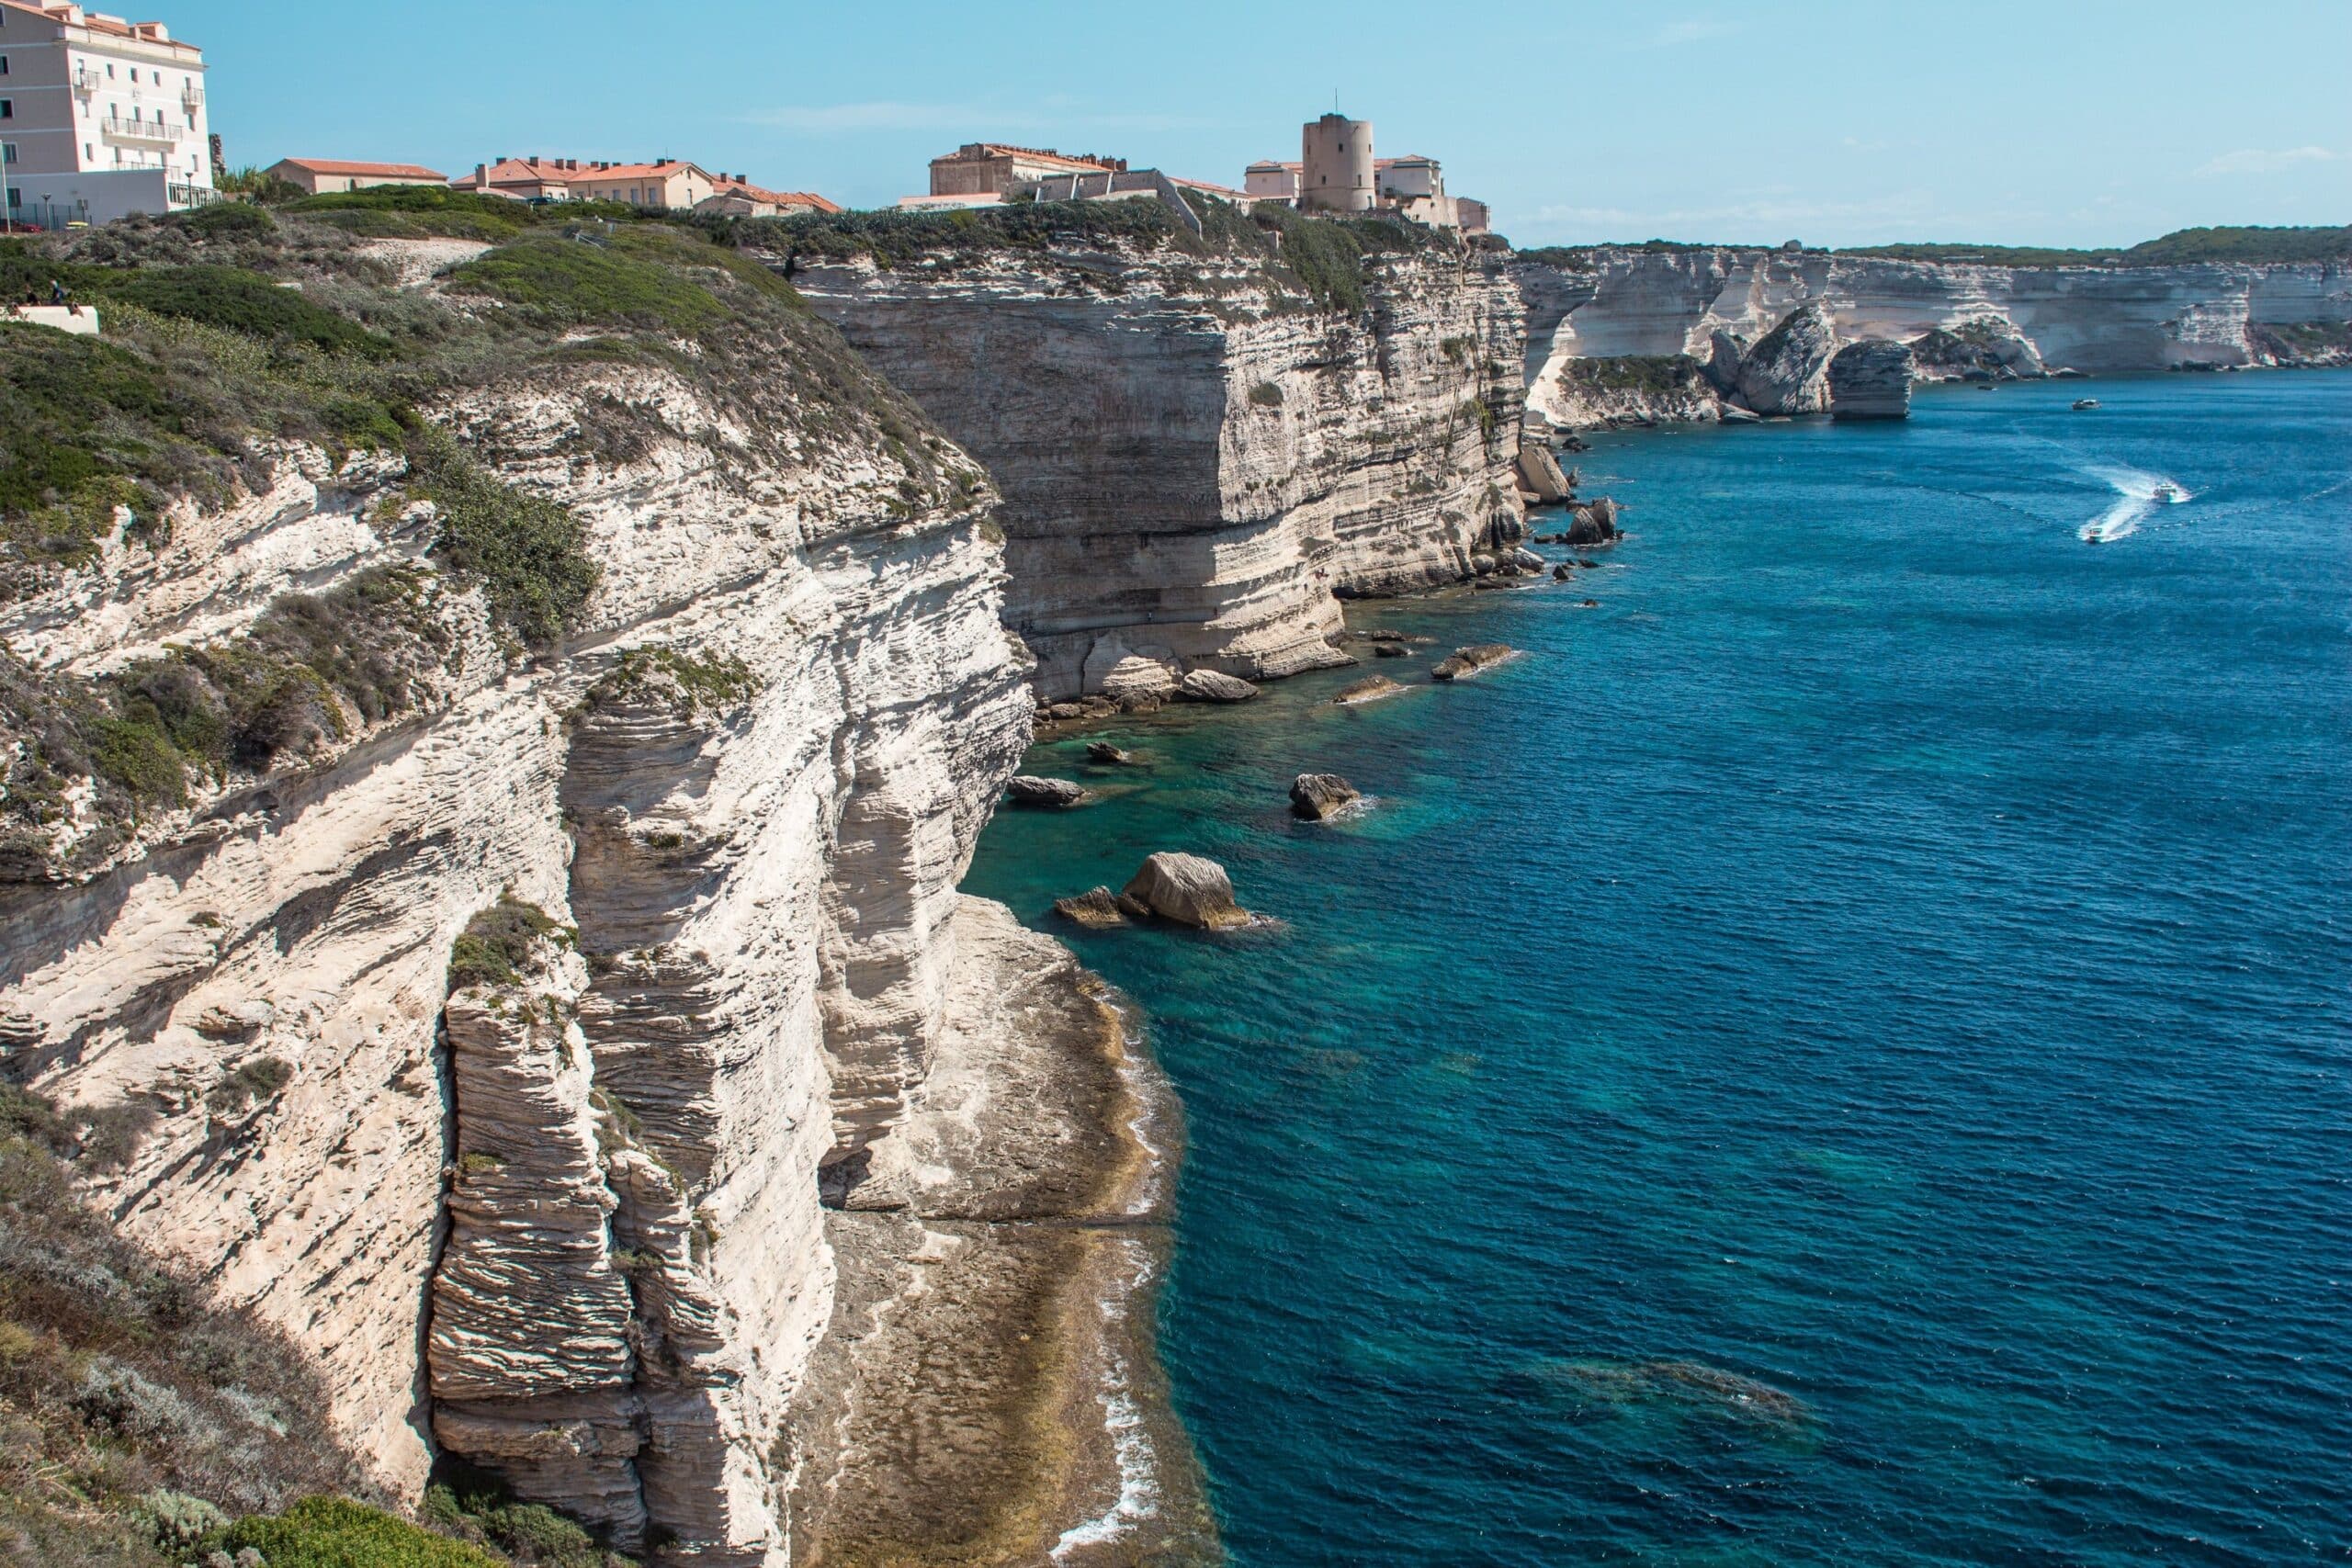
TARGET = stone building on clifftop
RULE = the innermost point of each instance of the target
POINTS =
(1337, 172)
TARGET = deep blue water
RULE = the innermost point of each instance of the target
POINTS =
(1842, 1056)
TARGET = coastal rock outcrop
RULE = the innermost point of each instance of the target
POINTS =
(1623, 316)
(1317, 796)
(1197, 452)
(1870, 379)
(1371, 689)
(1472, 660)
(1053, 794)
(1213, 686)
(1188, 890)
(1097, 908)
(1787, 370)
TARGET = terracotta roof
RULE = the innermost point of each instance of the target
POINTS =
(776, 197)
(391, 171)
(1006, 150)
(113, 25)
(559, 172)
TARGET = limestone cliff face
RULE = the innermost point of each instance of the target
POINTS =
(1195, 469)
(1664, 303)
(567, 1227)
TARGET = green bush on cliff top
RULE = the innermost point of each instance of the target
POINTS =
(335, 1532)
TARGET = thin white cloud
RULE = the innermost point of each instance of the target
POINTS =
(2269, 160)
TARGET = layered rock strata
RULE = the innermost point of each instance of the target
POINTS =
(571, 1231)
(1871, 380)
(1612, 303)
(1196, 462)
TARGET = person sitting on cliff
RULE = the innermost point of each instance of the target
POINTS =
(56, 292)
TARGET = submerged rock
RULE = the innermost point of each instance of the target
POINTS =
(1104, 752)
(1316, 796)
(1215, 686)
(1389, 651)
(1371, 689)
(1689, 1388)
(1050, 793)
(1870, 379)
(1189, 890)
(1471, 660)
(1097, 908)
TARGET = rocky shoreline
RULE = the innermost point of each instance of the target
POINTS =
(988, 1390)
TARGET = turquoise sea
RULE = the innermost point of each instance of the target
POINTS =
(1840, 1055)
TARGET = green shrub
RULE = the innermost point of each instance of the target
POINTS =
(178, 1521)
(259, 1079)
(529, 555)
(335, 1532)
(495, 947)
(691, 685)
(240, 301)
(1266, 395)
(561, 282)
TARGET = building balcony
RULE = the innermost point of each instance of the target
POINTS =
(87, 81)
(191, 97)
(140, 132)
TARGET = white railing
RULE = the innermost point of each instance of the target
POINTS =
(121, 129)
(87, 81)
(178, 195)
(192, 97)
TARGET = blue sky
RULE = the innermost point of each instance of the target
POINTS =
(2057, 122)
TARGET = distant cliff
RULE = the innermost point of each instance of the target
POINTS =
(1202, 444)
(1669, 303)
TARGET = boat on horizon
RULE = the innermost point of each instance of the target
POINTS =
(2081, 403)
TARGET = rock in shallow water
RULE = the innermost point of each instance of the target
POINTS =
(1471, 660)
(1187, 889)
(1103, 751)
(1317, 796)
(1213, 686)
(1371, 689)
(1097, 910)
(1053, 794)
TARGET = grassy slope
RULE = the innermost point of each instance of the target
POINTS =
(231, 329)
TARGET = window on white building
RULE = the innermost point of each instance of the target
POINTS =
(7, 151)
(8, 109)
(4, 65)
(110, 70)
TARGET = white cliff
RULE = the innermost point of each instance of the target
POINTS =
(1619, 302)
(1197, 461)
(569, 1228)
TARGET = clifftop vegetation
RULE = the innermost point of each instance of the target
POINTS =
(234, 331)
(1311, 261)
(2245, 245)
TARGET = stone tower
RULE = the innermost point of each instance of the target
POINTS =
(1335, 165)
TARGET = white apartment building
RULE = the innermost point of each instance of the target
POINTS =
(98, 117)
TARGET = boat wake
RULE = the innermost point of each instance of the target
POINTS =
(2137, 495)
